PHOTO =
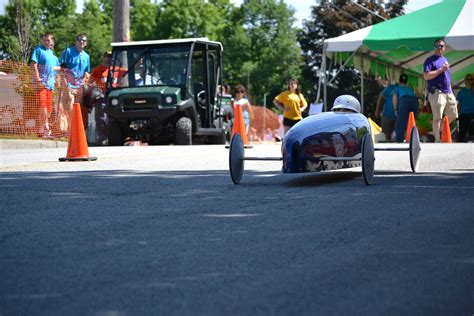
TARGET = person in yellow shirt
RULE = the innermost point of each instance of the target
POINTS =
(292, 103)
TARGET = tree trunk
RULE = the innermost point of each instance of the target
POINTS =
(121, 21)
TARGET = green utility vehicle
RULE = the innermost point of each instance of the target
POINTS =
(165, 91)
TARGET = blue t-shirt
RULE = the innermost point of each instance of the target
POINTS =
(45, 61)
(441, 82)
(466, 97)
(77, 64)
(387, 110)
(402, 91)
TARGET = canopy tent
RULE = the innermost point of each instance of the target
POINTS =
(403, 43)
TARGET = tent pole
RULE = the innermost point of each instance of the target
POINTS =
(341, 68)
(324, 79)
(362, 85)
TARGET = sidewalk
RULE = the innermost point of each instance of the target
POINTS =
(13, 144)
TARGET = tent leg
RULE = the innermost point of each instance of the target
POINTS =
(362, 86)
(325, 106)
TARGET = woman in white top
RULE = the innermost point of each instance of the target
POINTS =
(240, 99)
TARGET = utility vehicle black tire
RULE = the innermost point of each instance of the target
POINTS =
(183, 132)
(115, 134)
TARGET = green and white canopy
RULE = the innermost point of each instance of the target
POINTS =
(403, 43)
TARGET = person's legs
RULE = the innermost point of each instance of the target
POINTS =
(438, 103)
(464, 121)
(451, 108)
(67, 101)
(388, 126)
(401, 123)
(46, 107)
(85, 116)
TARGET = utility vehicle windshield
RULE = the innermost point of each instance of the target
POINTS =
(151, 66)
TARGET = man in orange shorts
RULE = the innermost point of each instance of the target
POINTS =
(44, 65)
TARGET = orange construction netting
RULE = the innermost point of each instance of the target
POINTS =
(22, 116)
(20, 111)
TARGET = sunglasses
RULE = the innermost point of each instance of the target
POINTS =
(439, 46)
(82, 40)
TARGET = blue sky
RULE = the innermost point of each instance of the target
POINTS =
(302, 7)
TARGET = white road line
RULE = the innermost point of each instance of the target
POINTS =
(432, 187)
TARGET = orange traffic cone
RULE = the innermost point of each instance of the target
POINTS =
(446, 131)
(239, 125)
(77, 149)
(410, 125)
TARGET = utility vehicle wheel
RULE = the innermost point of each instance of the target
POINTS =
(183, 132)
(115, 134)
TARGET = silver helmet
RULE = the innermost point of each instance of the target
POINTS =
(347, 102)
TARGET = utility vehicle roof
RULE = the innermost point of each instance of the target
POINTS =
(203, 40)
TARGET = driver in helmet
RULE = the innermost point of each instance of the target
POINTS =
(346, 103)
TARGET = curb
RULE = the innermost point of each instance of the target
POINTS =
(9, 144)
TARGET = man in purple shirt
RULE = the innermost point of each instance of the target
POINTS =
(441, 97)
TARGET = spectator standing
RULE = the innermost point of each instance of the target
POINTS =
(385, 110)
(99, 74)
(466, 108)
(441, 97)
(404, 101)
(45, 66)
(76, 64)
(241, 99)
(292, 103)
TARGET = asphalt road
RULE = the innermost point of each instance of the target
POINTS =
(163, 231)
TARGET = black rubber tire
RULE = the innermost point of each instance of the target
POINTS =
(414, 149)
(236, 158)
(115, 134)
(183, 131)
(220, 139)
(368, 159)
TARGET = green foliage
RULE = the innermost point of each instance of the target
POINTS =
(98, 28)
(262, 48)
(330, 19)
(144, 17)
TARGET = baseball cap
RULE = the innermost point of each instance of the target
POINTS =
(107, 53)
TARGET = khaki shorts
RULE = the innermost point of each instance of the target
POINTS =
(443, 103)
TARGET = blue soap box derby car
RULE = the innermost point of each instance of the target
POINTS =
(331, 140)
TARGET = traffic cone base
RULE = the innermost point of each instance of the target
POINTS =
(77, 149)
(446, 131)
(410, 125)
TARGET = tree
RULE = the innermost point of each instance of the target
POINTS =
(261, 48)
(333, 18)
(94, 18)
(144, 19)
(23, 32)
(19, 28)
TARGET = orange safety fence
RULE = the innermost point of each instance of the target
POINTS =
(265, 125)
(21, 113)
(22, 116)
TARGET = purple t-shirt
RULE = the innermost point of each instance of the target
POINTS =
(441, 82)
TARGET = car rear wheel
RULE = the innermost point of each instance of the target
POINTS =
(183, 133)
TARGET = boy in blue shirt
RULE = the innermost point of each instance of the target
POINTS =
(76, 64)
(44, 65)
(466, 108)
(385, 110)
(404, 101)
